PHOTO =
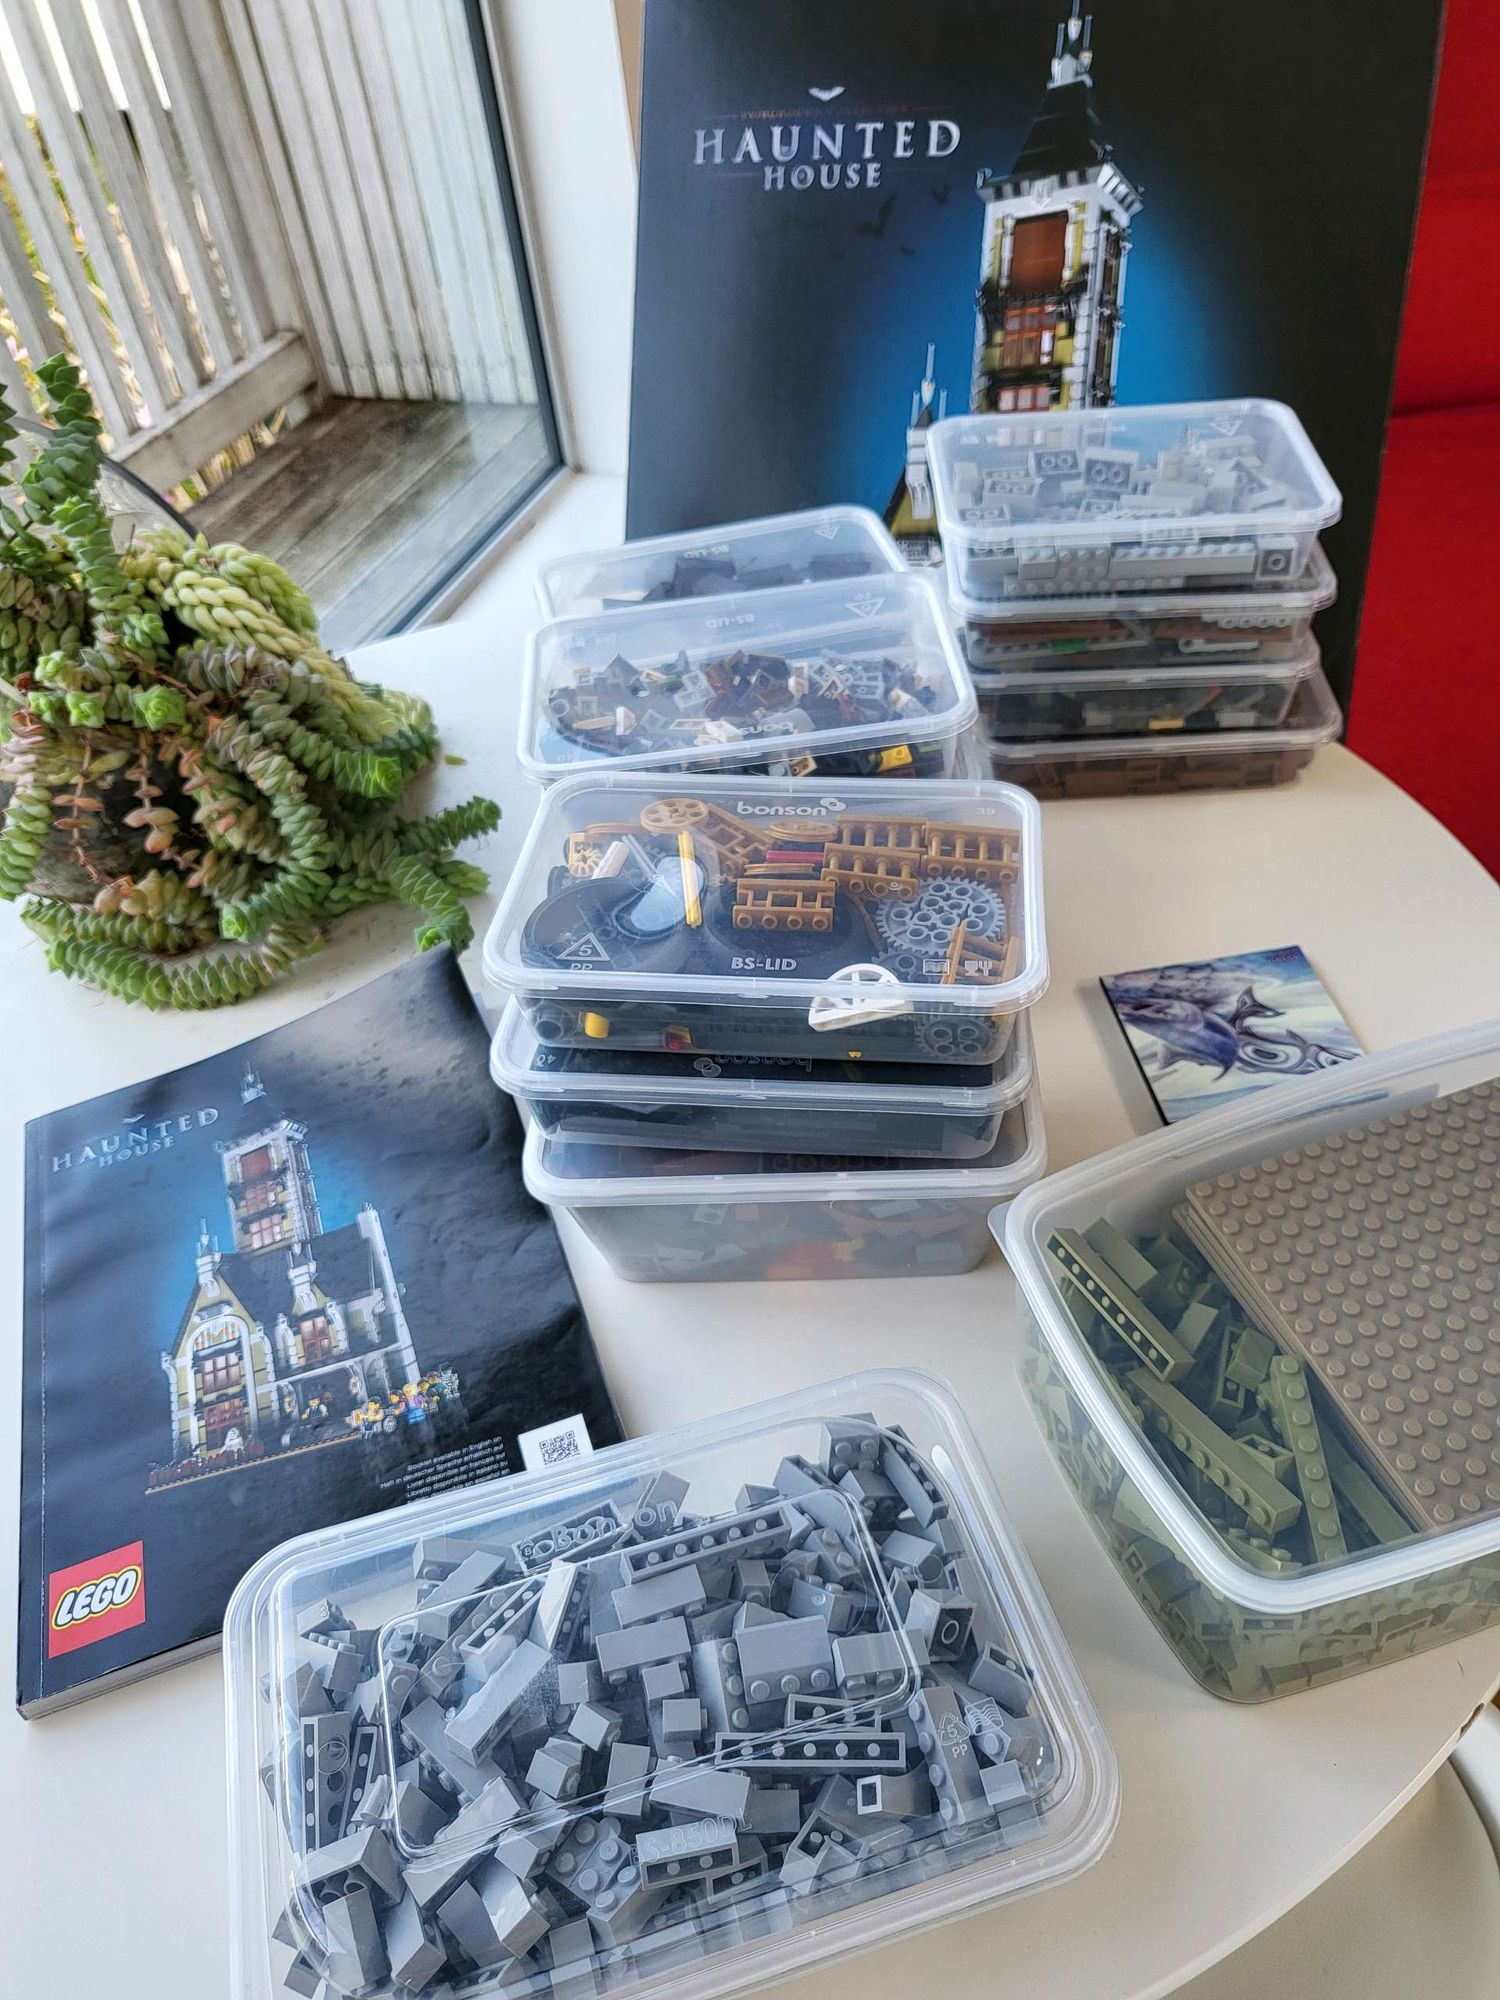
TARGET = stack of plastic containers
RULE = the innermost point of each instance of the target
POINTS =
(766, 1027)
(1134, 590)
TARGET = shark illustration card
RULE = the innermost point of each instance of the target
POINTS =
(1211, 1030)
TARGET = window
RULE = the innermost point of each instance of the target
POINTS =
(259, 1197)
(1027, 336)
(216, 1372)
(221, 1418)
(310, 325)
(256, 1165)
(265, 1230)
(1038, 248)
(317, 1342)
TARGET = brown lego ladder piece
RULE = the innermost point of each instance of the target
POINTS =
(882, 855)
(986, 854)
(798, 904)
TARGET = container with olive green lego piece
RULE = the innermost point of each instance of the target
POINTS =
(1287, 1436)
(709, 915)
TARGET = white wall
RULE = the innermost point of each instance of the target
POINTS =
(575, 163)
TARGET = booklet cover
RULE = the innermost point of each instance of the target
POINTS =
(277, 1289)
(857, 213)
(1205, 1033)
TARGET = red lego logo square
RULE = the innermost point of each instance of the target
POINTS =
(90, 1600)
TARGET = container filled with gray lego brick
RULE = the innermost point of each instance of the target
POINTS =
(1265, 1348)
(858, 679)
(689, 1715)
(1149, 497)
(817, 545)
(763, 1104)
(869, 920)
(664, 1214)
(1181, 760)
(1193, 698)
(1145, 628)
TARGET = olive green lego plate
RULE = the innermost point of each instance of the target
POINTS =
(1134, 1187)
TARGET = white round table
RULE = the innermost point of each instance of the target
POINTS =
(115, 1810)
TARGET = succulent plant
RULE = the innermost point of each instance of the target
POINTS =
(191, 786)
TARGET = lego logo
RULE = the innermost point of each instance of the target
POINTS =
(90, 1601)
(94, 1600)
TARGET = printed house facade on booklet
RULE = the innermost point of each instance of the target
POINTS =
(297, 1338)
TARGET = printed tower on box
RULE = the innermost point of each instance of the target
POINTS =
(296, 1337)
(1056, 236)
(911, 515)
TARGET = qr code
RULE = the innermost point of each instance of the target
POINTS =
(555, 1444)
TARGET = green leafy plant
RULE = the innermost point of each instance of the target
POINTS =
(192, 787)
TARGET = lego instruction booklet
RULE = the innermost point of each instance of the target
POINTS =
(280, 1288)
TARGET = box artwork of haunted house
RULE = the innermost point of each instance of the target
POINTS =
(297, 1337)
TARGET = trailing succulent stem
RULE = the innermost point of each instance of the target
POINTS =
(173, 695)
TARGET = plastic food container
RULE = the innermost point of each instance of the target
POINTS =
(1038, 707)
(871, 920)
(818, 545)
(1185, 761)
(770, 1104)
(1156, 497)
(1146, 628)
(856, 679)
(1247, 1624)
(700, 1843)
(668, 1215)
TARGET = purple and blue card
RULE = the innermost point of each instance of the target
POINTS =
(1209, 1031)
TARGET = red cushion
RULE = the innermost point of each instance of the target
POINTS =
(1450, 345)
(1426, 706)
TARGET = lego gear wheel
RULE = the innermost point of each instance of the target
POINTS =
(928, 921)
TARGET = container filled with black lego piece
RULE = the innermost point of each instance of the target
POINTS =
(772, 1104)
(777, 552)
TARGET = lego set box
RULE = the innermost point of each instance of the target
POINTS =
(988, 208)
(280, 1288)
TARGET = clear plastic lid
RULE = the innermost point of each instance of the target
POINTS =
(1247, 611)
(527, 1067)
(1314, 718)
(1082, 682)
(583, 1173)
(795, 677)
(818, 545)
(695, 1712)
(1447, 1261)
(760, 892)
(1087, 476)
